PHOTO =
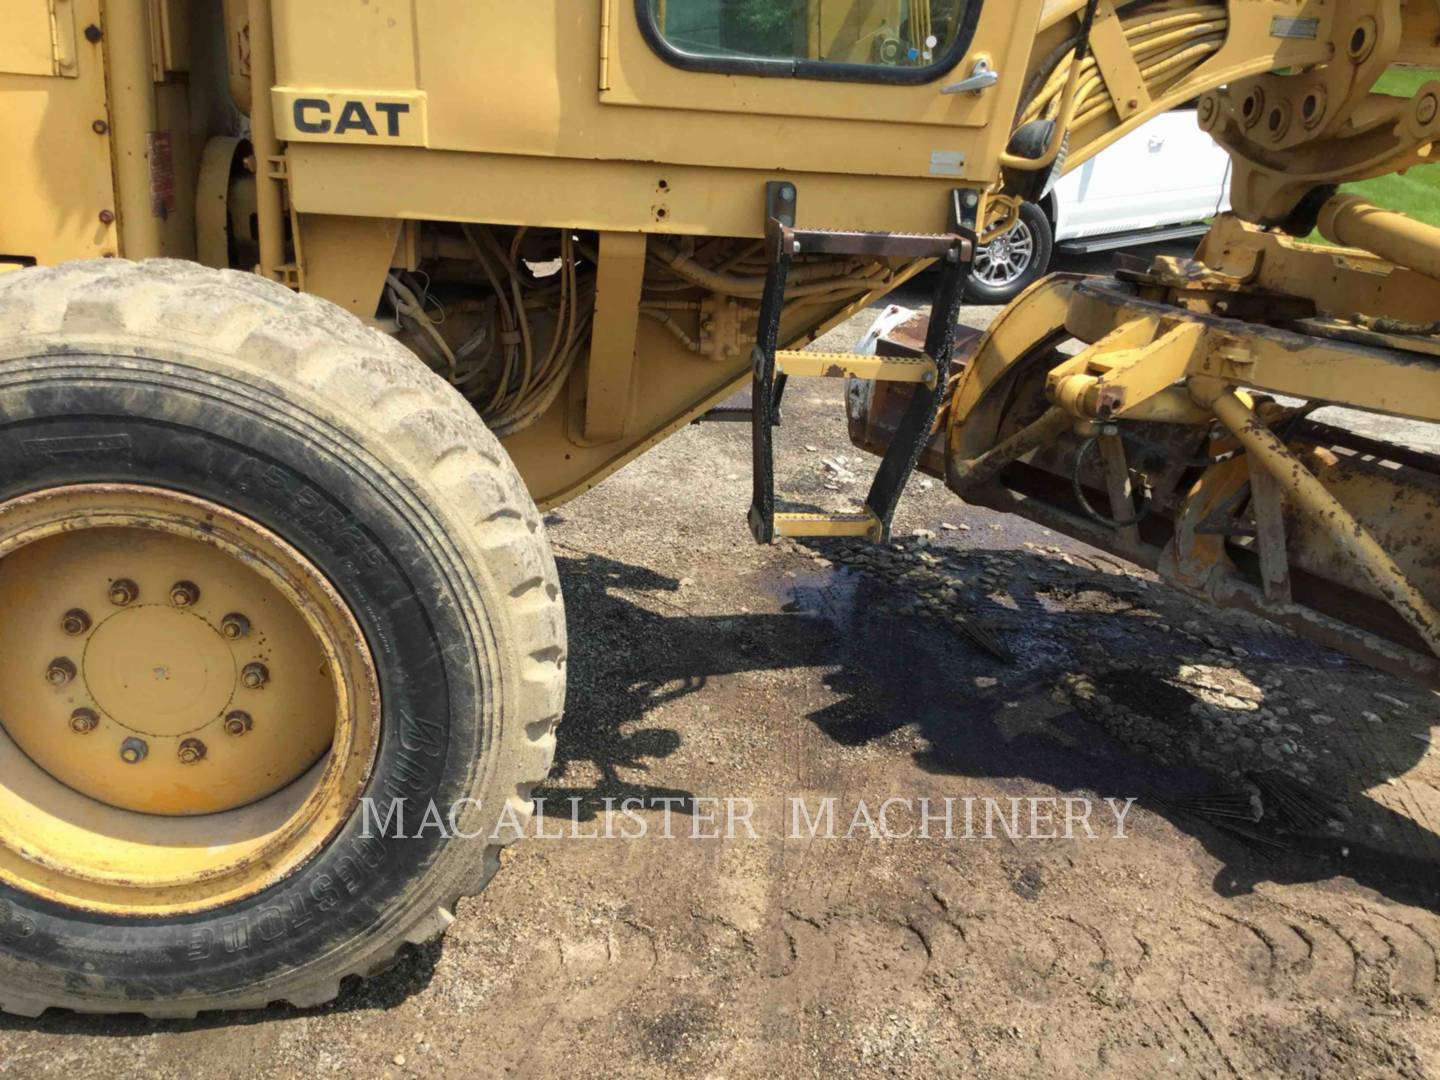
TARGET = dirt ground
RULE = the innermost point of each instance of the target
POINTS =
(1201, 944)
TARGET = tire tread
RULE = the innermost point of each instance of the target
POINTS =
(395, 403)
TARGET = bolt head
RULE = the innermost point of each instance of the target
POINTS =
(238, 723)
(235, 626)
(107, 217)
(123, 591)
(75, 622)
(84, 721)
(60, 671)
(100, 127)
(133, 751)
(254, 676)
(93, 34)
(184, 593)
(191, 752)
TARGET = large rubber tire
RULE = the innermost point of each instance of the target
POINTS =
(287, 409)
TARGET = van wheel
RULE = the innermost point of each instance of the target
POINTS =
(262, 577)
(1009, 264)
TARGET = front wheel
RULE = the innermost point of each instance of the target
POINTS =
(1009, 264)
(263, 577)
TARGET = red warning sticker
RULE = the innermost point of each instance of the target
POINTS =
(161, 150)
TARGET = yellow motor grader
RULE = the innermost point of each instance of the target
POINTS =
(308, 304)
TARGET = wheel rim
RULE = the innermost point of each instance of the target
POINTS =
(188, 710)
(1007, 258)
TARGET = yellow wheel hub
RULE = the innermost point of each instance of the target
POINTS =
(154, 667)
(158, 672)
(187, 708)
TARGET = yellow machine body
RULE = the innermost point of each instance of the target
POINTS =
(546, 115)
(574, 192)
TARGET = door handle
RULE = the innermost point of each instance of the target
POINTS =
(982, 78)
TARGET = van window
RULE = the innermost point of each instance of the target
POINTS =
(908, 41)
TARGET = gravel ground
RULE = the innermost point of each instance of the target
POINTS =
(1203, 943)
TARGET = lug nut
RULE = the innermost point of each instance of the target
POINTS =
(123, 592)
(75, 622)
(134, 751)
(184, 593)
(60, 671)
(254, 676)
(191, 752)
(238, 723)
(235, 626)
(84, 721)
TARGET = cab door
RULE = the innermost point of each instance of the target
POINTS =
(851, 86)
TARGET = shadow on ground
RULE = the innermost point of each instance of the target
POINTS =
(1109, 693)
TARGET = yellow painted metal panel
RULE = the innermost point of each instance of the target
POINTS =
(346, 259)
(33, 35)
(865, 525)
(507, 78)
(326, 44)
(150, 125)
(833, 365)
(55, 167)
(610, 195)
(170, 22)
(610, 376)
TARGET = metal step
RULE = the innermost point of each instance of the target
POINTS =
(894, 245)
(832, 365)
(738, 415)
(773, 366)
(866, 525)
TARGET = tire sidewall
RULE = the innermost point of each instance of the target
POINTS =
(183, 422)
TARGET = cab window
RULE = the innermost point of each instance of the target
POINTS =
(907, 41)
